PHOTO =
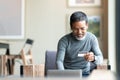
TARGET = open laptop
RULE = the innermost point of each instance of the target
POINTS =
(64, 73)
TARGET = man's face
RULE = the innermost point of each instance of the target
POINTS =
(79, 29)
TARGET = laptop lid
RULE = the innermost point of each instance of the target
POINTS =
(64, 73)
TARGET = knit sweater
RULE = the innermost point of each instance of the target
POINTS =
(69, 48)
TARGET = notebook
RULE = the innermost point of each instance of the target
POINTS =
(64, 73)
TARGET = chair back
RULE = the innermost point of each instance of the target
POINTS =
(26, 53)
(5, 46)
(8, 63)
(28, 45)
(50, 61)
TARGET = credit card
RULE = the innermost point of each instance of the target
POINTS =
(81, 55)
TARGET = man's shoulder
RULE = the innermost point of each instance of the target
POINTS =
(66, 36)
(90, 35)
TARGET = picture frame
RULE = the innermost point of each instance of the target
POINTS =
(95, 25)
(84, 3)
(12, 19)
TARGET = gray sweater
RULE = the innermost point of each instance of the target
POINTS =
(69, 48)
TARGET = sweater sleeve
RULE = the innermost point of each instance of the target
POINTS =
(97, 52)
(61, 48)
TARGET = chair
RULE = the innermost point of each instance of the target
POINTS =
(8, 60)
(6, 46)
(29, 69)
(6, 63)
(50, 61)
(26, 52)
(26, 55)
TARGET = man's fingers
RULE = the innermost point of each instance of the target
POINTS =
(89, 56)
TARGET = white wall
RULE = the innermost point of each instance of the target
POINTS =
(45, 24)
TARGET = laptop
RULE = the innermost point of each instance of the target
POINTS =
(64, 73)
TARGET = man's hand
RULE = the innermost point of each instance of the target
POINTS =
(89, 56)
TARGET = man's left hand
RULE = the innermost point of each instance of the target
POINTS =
(89, 56)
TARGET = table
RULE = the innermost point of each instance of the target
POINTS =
(101, 74)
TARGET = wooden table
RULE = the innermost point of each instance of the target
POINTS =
(99, 74)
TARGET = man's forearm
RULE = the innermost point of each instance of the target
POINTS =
(98, 59)
(60, 65)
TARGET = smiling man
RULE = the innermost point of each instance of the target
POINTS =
(78, 49)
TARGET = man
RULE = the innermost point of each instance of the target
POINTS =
(78, 49)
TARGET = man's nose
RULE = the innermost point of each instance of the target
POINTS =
(79, 31)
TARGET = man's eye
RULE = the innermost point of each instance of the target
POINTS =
(82, 28)
(75, 29)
